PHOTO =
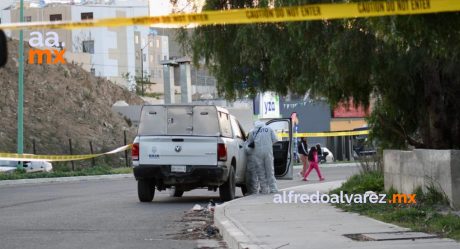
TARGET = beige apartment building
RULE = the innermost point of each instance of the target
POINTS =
(117, 53)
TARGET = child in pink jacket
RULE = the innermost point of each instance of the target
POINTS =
(313, 159)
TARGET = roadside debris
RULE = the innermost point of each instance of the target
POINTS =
(211, 205)
(198, 224)
(197, 207)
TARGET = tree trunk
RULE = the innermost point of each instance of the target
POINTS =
(436, 132)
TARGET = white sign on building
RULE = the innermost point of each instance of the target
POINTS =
(269, 106)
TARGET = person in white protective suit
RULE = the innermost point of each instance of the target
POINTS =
(252, 181)
(260, 168)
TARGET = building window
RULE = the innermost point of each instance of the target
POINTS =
(144, 56)
(88, 47)
(87, 16)
(151, 58)
(136, 39)
(158, 43)
(93, 71)
(56, 17)
(28, 19)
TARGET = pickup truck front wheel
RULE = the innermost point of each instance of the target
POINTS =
(145, 190)
(227, 190)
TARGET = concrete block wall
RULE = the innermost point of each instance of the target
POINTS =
(407, 170)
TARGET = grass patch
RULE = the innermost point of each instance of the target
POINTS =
(360, 183)
(122, 170)
(63, 172)
(431, 213)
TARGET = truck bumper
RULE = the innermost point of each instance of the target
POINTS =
(196, 174)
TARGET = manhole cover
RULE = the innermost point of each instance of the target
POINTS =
(389, 236)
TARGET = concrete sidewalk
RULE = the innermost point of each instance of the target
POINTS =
(257, 222)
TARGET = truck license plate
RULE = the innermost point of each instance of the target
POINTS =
(179, 168)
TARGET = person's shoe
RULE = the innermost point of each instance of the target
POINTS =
(305, 179)
(322, 179)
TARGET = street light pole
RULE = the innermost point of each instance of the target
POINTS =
(142, 71)
(142, 67)
(20, 137)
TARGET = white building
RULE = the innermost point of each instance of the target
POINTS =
(118, 53)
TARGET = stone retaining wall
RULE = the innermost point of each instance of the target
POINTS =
(407, 170)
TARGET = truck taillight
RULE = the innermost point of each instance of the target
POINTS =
(221, 152)
(135, 152)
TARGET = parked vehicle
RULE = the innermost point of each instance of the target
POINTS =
(361, 146)
(7, 166)
(184, 147)
(327, 156)
(29, 167)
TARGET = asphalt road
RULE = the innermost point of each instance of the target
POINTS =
(103, 214)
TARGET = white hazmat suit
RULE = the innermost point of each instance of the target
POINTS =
(252, 182)
(260, 160)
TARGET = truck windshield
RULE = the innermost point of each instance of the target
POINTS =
(179, 121)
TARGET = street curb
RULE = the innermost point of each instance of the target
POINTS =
(233, 233)
(64, 179)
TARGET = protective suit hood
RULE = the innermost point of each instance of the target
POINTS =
(258, 124)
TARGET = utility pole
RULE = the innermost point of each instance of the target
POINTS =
(142, 71)
(142, 66)
(20, 138)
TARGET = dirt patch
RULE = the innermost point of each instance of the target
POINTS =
(61, 102)
(199, 225)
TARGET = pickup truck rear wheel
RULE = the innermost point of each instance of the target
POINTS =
(145, 190)
(227, 190)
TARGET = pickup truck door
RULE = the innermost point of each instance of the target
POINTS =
(282, 150)
(238, 136)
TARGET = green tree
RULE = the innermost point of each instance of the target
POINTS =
(409, 66)
(139, 84)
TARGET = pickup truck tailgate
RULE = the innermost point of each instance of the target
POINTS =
(175, 150)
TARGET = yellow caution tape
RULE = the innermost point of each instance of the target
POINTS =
(57, 158)
(328, 134)
(259, 15)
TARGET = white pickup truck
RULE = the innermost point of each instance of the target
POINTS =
(184, 147)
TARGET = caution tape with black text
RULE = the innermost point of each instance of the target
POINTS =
(260, 15)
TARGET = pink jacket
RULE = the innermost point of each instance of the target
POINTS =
(315, 158)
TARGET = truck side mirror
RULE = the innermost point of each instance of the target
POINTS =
(3, 49)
